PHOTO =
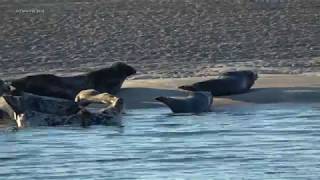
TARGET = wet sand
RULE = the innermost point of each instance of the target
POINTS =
(267, 89)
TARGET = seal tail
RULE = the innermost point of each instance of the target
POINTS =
(161, 99)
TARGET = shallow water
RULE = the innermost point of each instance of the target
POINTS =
(250, 142)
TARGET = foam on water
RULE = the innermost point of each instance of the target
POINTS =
(275, 141)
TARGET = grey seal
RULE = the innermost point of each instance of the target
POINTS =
(196, 102)
(33, 110)
(18, 108)
(108, 79)
(228, 83)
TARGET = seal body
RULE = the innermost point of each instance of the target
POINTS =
(43, 104)
(104, 80)
(196, 102)
(110, 102)
(83, 118)
(232, 82)
(86, 97)
(33, 110)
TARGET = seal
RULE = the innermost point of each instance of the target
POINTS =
(89, 96)
(33, 110)
(43, 104)
(228, 83)
(18, 108)
(196, 102)
(108, 79)
(113, 107)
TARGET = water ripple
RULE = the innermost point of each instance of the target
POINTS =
(261, 142)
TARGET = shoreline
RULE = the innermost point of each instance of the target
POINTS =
(275, 88)
(268, 89)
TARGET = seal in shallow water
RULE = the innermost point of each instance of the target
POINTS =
(33, 110)
(232, 82)
(89, 96)
(196, 102)
(22, 108)
(43, 104)
(104, 80)
(112, 105)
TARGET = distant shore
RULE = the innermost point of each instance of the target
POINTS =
(267, 89)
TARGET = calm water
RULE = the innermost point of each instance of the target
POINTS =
(259, 142)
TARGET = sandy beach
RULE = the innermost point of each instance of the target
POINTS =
(270, 132)
(267, 89)
(170, 43)
(162, 39)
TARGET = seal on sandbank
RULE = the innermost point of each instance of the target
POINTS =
(228, 83)
(108, 79)
(196, 102)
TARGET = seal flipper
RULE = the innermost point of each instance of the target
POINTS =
(15, 103)
(166, 101)
(13, 108)
(176, 105)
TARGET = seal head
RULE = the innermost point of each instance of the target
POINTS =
(196, 102)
